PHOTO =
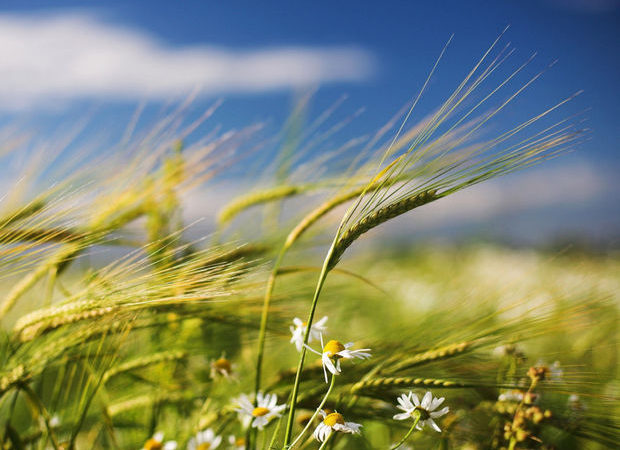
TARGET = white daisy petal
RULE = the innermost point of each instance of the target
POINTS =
(330, 365)
(216, 442)
(321, 322)
(434, 425)
(441, 412)
(435, 403)
(325, 374)
(159, 436)
(426, 401)
(405, 402)
(402, 416)
(353, 427)
(325, 432)
(415, 399)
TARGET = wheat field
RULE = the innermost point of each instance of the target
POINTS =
(290, 324)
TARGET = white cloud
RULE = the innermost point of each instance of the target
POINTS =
(540, 193)
(45, 59)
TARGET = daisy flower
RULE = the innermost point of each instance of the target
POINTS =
(222, 367)
(412, 407)
(204, 440)
(157, 443)
(299, 331)
(334, 422)
(266, 409)
(236, 443)
(334, 351)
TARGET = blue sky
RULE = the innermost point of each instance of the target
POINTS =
(378, 53)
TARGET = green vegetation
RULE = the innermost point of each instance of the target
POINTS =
(196, 339)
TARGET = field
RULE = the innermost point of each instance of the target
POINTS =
(293, 323)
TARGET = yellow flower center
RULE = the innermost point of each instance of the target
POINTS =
(240, 442)
(332, 419)
(152, 444)
(204, 446)
(223, 364)
(333, 347)
(260, 411)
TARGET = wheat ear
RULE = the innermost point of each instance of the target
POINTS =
(375, 219)
(240, 204)
(435, 354)
(375, 383)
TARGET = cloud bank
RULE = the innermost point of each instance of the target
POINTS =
(46, 59)
(537, 194)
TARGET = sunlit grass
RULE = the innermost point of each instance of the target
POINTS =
(181, 336)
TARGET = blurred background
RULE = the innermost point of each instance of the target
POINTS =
(85, 75)
(156, 155)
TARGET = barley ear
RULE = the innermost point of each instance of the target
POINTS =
(375, 219)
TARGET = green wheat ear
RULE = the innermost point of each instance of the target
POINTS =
(405, 382)
(375, 219)
(230, 211)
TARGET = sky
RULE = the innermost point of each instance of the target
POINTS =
(108, 57)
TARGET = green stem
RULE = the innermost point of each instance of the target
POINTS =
(249, 436)
(264, 317)
(326, 440)
(316, 413)
(402, 441)
(263, 332)
(324, 271)
(44, 413)
(513, 440)
(11, 412)
(274, 436)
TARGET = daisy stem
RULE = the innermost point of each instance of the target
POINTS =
(324, 271)
(263, 320)
(402, 441)
(316, 413)
(325, 441)
(274, 436)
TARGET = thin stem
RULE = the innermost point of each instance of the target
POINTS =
(264, 317)
(316, 413)
(43, 411)
(11, 411)
(250, 436)
(402, 441)
(274, 436)
(324, 271)
(513, 439)
(326, 441)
